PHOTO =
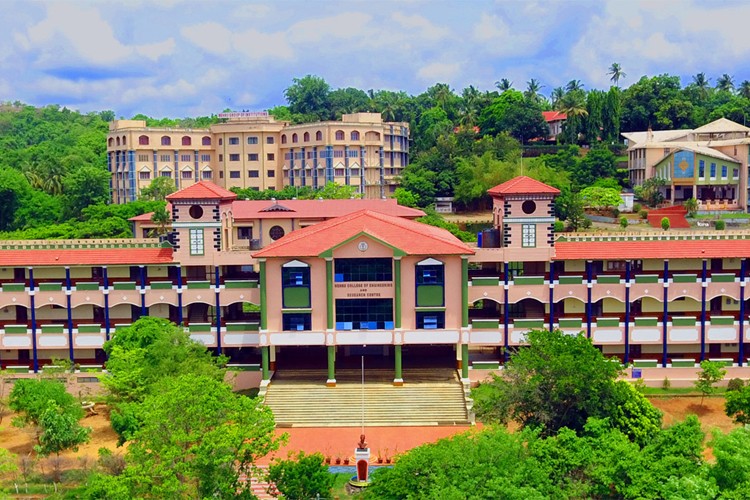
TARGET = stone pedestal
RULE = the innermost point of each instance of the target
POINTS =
(362, 459)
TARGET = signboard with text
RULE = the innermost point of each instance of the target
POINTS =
(363, 290)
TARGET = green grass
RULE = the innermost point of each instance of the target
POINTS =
(738, 215)
(339, 486)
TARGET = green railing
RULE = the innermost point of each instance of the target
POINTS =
(722, 320)
(528, 323)
(87, 286)
(485, 281)
(199, 284)
(124, 285)
(646, 278)
(161, 285)
(13, 287)
(89, 328)
(17, 329)
(683, 321)
(53, 328)
(570, 280)
(50, 287)
(645, 363)
(683, 363)
(485, 323)
(608, 280)
(199, 327)
(722, 278)
(528, 280)
(242, 327)
(240, 284)
(608, 322)
(570, 323)
(646, 321)
(485, 365)
(684, 278)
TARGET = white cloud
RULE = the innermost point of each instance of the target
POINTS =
(155, 51)
(439, 72)
(256, 45)
(424, 27)
(251, 11)
(347, 26)
(500, 38)
(210, 36)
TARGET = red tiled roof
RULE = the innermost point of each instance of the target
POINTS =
(412, 237)
(202, 190)
(523, 185)
(666, 249)
(318, 209)
(553, 116)
(85, 257)
(147, 216)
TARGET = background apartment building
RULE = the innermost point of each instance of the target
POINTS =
(253, 150)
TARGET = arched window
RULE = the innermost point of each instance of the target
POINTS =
(110, 142)
(206, 141)
(186, 141)
(117, 141)
(143, 140)
(339, 135)
(355, 135)
(166, 141)
(318, 135)
(283, 138)
(372, 136)
(294, 138)
(306, 137)
(124, 140)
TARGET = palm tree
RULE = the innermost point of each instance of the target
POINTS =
(725, 82)
(470, 106)
(616, 73)
(558, 93)
(573, 104)
(574, 85)
(532, 90)
(702, 84)
(744, 89)
(504, 84)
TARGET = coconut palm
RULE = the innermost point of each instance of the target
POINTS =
(532, 90)
(574, 85)
(616, 73)
(557, 95)
(573, 104)
(470, 106)
(503, 84)
(702, 83)
(725, 82)
(744, 89)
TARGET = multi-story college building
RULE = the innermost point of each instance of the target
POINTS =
(709, 163)
(331, 280)
(252, 150)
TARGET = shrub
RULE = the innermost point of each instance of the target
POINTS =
(643, 214)
(586, 224)
(559, 226)
(636, 208)
(665, 223)
(720, 225)
(735, 384)
(623, 222)
(615, 212)
(666, 384)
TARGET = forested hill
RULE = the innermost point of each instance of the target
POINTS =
(54, 182)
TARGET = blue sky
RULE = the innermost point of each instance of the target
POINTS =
(186, 58)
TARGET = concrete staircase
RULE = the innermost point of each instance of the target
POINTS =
(429, 396)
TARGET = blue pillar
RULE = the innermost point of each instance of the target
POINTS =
(506, 325)
(626, 358)
(551, 295)
(218, 311)
(589, 284)
(741, 354)
(347, 175)
(106, 304)
(143, 290)
(32, 306)
(179, 295)
(665, 303)
(704, 284)
(68, 291)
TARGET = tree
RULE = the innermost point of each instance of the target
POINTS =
(304, 476)
(60, 431)
(731, 471)
(574, 85)
(406, 198)
(162, 219)
(650, 191)
(533, 87)
(569, 207)
(334, 191)
(478, 174)
(84, 187)
(158, 189)
(712, 372)
(600, 198)
(503, 84)
(198, 438)
(691, 206)
(616, 73)
(744, 89)
(30, 398)
(665, 224)
(13, 188)
(725, 83)
(737, 405)
(309, 97)
(555, 381)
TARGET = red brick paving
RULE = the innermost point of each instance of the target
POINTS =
(341, 441)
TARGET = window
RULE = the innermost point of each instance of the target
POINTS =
(306, 137)
(701, 169)
(352, 153)
(205, 157)
(206, 141)
(283, 138)
(355, 172)
(736, 173)
(287, 156)
(297, 322)
(318, 135)
(185, 157)
(276, 232)
(271, 173)
(166, 173)
(433, 274)
(244, 233)
(339, 135)
(431, 320)
(713, 169)
(252, 157)
(166, 141)
(187, 174)
(186, 141)
(363, 270)
(234, 157)
(221, 141)
(143, 157)
(207, 174)
(364, 314)
(196, 211)
(295, 284)
(221, 174)
(143, 140)
(196, 241)
(221, 157)
(337, 153)
(269, 140)
(528, 235)
(165, 158)
(339, 172)
(309, 155)
(294, 138)
(234, 174)
(253, 173)
(233, 141)
(724, 171)
(355, 135)
(144, 176)
(528, 207)
(253, 139)
(270, 157)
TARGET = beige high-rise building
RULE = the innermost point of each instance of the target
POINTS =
(253, 150)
